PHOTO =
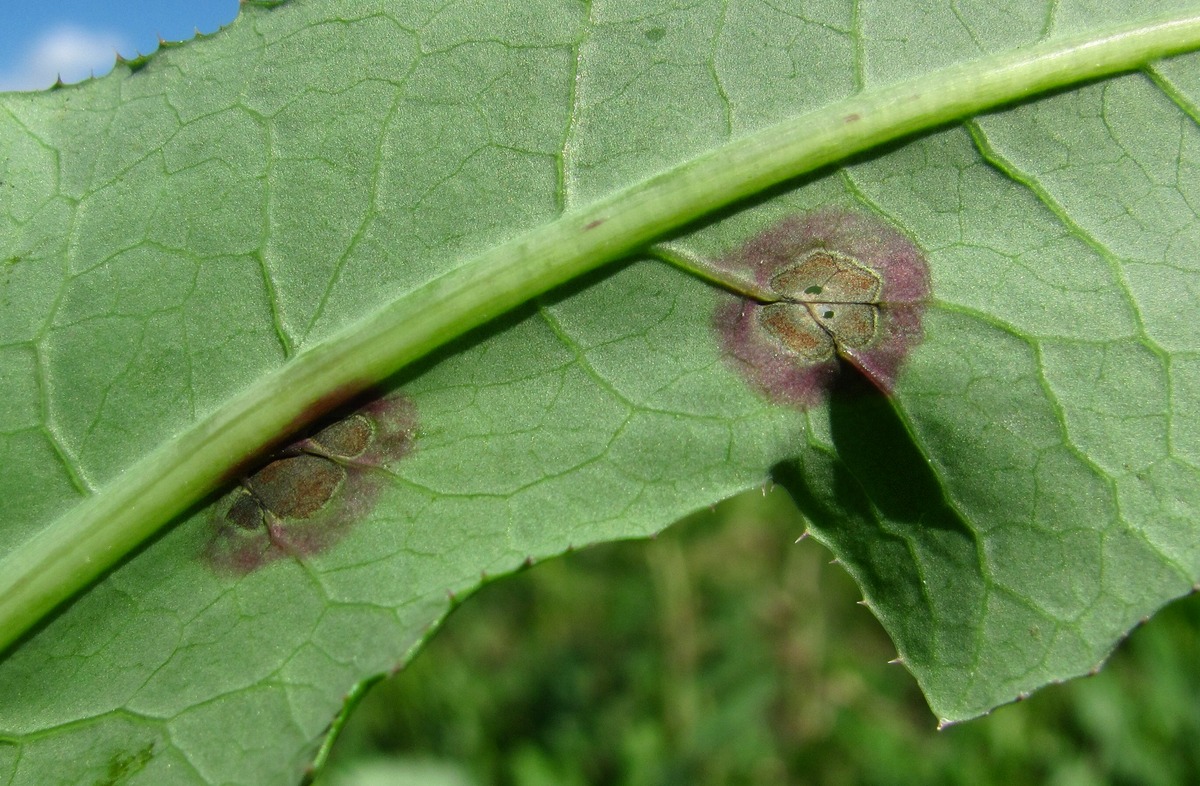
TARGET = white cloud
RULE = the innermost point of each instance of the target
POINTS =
(69, 51)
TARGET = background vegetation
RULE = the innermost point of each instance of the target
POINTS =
(721, 653)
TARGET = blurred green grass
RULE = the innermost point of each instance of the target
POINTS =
(722, 652)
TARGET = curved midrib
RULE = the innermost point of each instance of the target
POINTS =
(74, 550)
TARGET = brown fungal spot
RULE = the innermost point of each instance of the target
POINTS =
(841, 298)
(850, 286)
(836, 278)
(346, 438)
(797, 331)
(306, 497)
(296, 487)
(850, 325)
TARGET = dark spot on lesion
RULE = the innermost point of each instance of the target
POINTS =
(840, 278)
(655, 34)
(246, 512)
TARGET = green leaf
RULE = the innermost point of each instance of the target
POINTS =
(199, 253)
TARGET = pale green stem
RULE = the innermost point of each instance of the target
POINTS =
(74, 550)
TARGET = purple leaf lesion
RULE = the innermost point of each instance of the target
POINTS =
(307, 496)
(847, 286)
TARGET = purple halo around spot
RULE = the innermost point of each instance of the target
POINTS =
(307, 497)
(771, 367)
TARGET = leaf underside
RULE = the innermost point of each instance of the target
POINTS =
(173, 234)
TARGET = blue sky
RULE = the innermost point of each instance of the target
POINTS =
(40, 39)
